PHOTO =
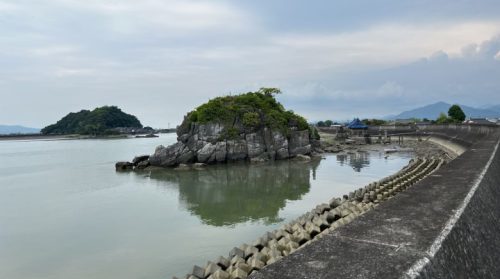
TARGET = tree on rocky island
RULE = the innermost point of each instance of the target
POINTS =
(251, 126)
(269, 91)
(99, 121)
(456, 113)
(245, 113)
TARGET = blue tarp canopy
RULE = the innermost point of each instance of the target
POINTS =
(357, 124)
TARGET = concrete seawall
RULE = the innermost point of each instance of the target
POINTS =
(445, 226)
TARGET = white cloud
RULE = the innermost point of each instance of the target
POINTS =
(72, 72)
(388, 44)
(7, 7)
(153, 53)
(497, 56)
(390, 89)
(54, 50)
(171, 16)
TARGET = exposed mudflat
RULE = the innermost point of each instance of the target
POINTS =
(421, 148)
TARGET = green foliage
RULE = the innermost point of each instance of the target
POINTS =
(269, 91)
(456, 113)
(231, 133)
(374, 122)
(295, 120)
(313, 132)
(250, 110)
(251, 119)
(96, 122)
(193, 116)
(326, 123)
(443, 119)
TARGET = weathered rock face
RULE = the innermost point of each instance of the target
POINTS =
(299, 143)
(206, 143)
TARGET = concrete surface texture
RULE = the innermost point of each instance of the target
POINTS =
(445, 226)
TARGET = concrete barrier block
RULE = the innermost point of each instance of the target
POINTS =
(292, 246)
(230, 269)
(345, 212)
(220, 274)
(260, 256)
(287, 227)
(198, 272)
(243, 247)
(243, 266)
(272, 242)
(255, 264)
(237, 259)
(237, 252)
(280, 233)
(250, 251)
(223, 262)
(297, 228)
(274, 253)
(210, 268)
(303, 237)
(239, 274)
(259, 243)
(334, 203)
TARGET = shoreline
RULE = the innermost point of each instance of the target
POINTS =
(421, 148)
(31, 137)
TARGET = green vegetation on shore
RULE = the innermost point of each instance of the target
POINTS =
(455, 115)
(99, 121)
(252, 110)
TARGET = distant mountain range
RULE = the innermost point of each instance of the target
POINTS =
(16, 129)
(432, 111)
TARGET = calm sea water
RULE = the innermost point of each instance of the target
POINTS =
(66, 213)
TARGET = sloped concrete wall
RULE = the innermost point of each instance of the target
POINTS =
(446, 226)
(472, 247)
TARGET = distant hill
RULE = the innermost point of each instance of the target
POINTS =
(494, 108)
(16, 129)
(432, 111)
(96, 122)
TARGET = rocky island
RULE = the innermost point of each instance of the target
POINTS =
(252, 126)
(106, 120)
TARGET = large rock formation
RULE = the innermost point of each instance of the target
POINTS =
(253, 126)
(205, 143)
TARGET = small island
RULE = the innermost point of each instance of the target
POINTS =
(106, 120)
(252, 126)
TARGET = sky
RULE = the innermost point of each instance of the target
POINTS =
(158, 59)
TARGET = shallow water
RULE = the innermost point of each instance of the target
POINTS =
(65, 212)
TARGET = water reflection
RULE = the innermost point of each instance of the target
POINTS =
(357, 160)
(224, 195)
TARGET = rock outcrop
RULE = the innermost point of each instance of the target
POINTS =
(252, 126)
(205, 143)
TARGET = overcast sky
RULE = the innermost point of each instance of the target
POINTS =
(158, 59)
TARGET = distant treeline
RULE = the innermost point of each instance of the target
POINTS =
(366, 121)
(455, 115)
